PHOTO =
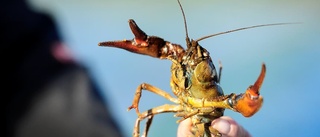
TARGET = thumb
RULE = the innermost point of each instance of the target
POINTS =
(229, 127)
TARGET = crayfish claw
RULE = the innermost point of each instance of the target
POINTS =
(147, 45)
(251, 101)
(124, 44)
(137, 32)
(257, 85)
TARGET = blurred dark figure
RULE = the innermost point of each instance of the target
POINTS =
(46, 93)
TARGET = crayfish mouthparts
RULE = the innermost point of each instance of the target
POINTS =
(251, 101)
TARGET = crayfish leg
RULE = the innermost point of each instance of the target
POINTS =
(148, 124)
(149, 114)
(153, 89)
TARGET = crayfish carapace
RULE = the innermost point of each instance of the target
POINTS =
(194, 82)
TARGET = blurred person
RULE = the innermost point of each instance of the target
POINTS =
(46, 92)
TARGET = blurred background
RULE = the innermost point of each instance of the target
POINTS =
(291, 53)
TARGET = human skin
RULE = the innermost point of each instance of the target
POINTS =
(225, 125)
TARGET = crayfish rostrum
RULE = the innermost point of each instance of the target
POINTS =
(194, 82)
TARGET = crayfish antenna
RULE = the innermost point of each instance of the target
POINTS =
(185, 25)
(244, 28)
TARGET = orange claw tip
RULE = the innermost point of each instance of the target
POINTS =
(250, 102)
(254, 90)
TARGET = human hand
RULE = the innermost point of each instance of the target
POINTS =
(225, 125)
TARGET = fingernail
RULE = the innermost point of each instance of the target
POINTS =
(223, 126)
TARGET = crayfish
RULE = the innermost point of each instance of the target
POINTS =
(194, 82)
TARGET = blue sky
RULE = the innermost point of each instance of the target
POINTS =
(291, 53)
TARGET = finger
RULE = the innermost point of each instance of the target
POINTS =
(229, 127)
(184, 129)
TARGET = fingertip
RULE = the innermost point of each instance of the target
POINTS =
(184, 128)
(226, 126)
(229, 127)
(222, 125)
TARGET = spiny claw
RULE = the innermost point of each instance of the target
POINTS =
(147, 45)
(251, 101)
(257, 85)
(140, 36)
(141, 44)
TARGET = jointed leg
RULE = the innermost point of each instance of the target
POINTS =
(150, 113)
(153, 89)
(148, 124)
